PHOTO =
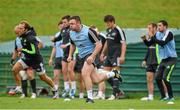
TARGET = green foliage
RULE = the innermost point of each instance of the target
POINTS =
(44, 14)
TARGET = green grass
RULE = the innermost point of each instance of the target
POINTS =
(44, 14)
(7, 102)
(47, 103)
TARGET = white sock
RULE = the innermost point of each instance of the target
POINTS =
(90, 94)
(73, 85)
(66, 86)
(18, 87)
(56, 86)
(100, 93)
(150, 96)
(81, 95)
(110, 74)
(166, 94)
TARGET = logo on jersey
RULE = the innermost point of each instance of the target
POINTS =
(78, 37)
(168, 67)
(24, 42)
(114, 64)
(63, 31)
(113, 34)
(110, 30)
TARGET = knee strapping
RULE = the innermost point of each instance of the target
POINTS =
(23, 75)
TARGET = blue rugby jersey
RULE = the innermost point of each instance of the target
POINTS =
(84, 40)
(166, 43)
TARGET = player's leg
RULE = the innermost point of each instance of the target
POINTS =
(31, 77)
(101, 75)
(77, 69)
(86, 74)
(114, 82)
(150, 71)
(16, 69)
(66, 78)
(50, 82)
(46, 79)
(56, 77)
(159, 77)
(24, 83)
(43, 76)
(81, 86)
(19, 65)
(165, 89)
(72, 78)
(101, 91)
(57, 71)
(150, 84)
(108, 67)
(167, 75)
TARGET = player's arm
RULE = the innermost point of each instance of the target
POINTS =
(123, 52)
(123, 46)
(40, 43)
(104, 51)
(52, 56)
(66, 42)
(144, 62)
(95, 39)
(18, 46)
(165, 40)
(146, 56)
(14, 56)
(149, 42)
(15, 52)
(55, 39)
(71, 51)
(33, 50)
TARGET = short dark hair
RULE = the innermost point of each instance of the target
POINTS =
(26, 24)
(66, 17)
(109, 18)
(60, 22)
(77, 18)
(93, 27)
(164, 22)
(154, 25)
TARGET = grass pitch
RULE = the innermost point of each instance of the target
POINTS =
(11, 102)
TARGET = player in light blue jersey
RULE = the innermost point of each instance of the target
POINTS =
(167, 53)
(89, 45)
(57, 53)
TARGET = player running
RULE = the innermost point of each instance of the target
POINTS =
(89, 45)
(32, 57)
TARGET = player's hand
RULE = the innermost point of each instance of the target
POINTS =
(102, 57)
(52, 38)
(69, 59)
(143, 64)
(63, 46)
(12, 62)
(19, 54)
(150, 34)
(143, 37)
(90, 60)
(121, 60)
(50, 62)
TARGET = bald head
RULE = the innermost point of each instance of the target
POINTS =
(17, 30)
